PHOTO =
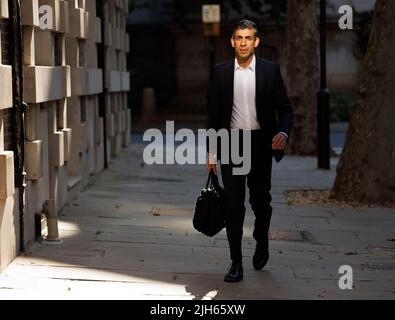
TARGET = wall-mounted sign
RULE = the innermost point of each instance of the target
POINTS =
(211, 13)
(211, 17)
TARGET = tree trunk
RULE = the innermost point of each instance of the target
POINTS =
(366, 170)
(303, 74)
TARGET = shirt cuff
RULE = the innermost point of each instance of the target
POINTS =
(283, 133)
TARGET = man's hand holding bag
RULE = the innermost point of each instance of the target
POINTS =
(209, 216)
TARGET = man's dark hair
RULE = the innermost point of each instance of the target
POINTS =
(245, 24)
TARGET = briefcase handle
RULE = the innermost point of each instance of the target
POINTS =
(212, 181)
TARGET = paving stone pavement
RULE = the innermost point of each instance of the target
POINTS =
(130, 236)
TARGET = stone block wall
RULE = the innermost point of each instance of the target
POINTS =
(64, 144)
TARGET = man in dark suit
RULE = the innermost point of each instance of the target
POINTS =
(248, 93)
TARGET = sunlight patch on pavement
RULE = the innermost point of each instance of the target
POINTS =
(210, 295)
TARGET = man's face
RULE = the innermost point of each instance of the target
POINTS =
(244, 41)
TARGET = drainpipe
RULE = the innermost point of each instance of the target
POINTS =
(18, 109)
(102, 64)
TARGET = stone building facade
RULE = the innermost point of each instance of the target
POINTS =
(76, 91)
(182, 41)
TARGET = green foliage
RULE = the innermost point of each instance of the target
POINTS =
(341, 107)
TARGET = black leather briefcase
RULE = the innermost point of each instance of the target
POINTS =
(209, 216)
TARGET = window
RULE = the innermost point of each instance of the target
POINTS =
(58, 49)
(81, 53)
(7, 114)
(83, 109)
(59, 115)
(5, 47)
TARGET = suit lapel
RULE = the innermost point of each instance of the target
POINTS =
(259, 83)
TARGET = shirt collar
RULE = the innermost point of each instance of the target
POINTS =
(251, 66)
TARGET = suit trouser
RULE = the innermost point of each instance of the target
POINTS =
(259, 185)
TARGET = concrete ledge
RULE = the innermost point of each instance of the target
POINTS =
(45, 83)
(43, 47)
(4, 9)
(68, 80)
(95, 81)
(117, 81)
(64, 23)
(29, 13)
(57, 148)
(78, 81)
(86, 81)
(7, 187)
(33, 161)
(125, 81)
(9, 230)
(67, 135)
(79, 22)
(113, 81)
(6, 87)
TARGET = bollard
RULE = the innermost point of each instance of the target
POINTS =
(52, 223)
(149, 105)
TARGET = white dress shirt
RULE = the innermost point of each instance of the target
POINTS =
(244, 115)
(244, 107)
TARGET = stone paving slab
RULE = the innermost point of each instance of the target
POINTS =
(130, 236)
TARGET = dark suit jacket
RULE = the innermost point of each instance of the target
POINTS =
(274, 111)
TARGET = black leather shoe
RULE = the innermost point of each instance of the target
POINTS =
(261, 255)
(235, 273)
